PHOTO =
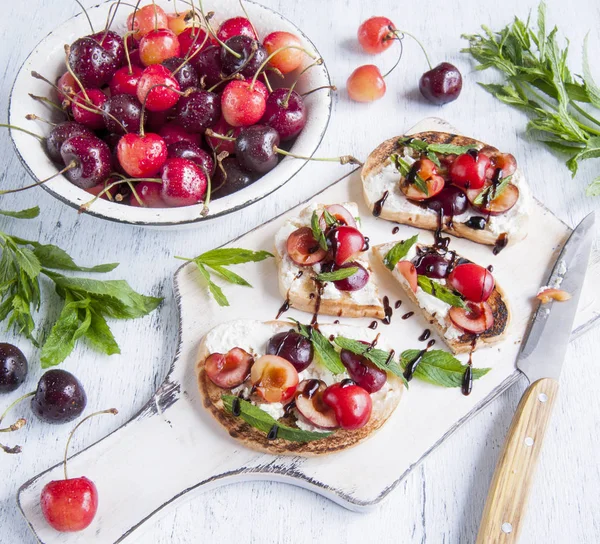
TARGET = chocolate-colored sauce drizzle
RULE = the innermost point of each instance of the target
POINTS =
(378, 207)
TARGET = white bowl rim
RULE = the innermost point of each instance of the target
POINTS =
(199, 219)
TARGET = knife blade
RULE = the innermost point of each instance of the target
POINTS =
(543, 351)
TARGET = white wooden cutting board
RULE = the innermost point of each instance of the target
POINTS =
(173, 449)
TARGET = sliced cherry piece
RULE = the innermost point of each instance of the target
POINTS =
(355, 282)
(228, 370)
(409, 272)
(506, 162)
(499, 205)
(293, 347)
(363, 372)
(434, 184)
(432, 265)
(303, 249)
(472, 281)
(346, 243)
(469, 172)
(475, 319)
(150, 195)
(351, 403)
(309, 402)
(275, 378)
(340, 213)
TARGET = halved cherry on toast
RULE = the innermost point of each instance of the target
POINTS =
(472, 281)
(341, 214)
(427, 171)
(350, 402)
(303, 249)
(346, 243)
(230, 369)
(309, 402)
(274, 378)
(476, 318)
(408, 270)
(498, 205)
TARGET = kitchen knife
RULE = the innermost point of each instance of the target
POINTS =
(540, 359)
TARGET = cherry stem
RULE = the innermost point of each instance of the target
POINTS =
(20, 423)
(69, 166)
(330, 87)
(112, 12)
(70, 70)
(86, 206)
(86, 16)
(293, 85)
(34, 117)
(155, 16)
(212, 134)
(143, 112)
(397, 60)
(109, 411)
(135, 193)
(135, 10)
(48, 102)
(6, 449)
(127, 34)
(40, 138)
(11, 406)
(344, 159)
(189, 57)
(395, 31)
(248, 17)
(266, 61)
(213, 33)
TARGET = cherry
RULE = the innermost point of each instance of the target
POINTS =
(190, 151)
(355, 282)
(499, 204)
(157, 89)
(125, 80)
(432, 265)
(71, 504)
(108, 191)
(208, 65)
(142, 156)
(251, 55)
(198, 110)
(441, 84)
(68, 88)
(255, 148)
(193, 40)
(475, 319)
(472, 281)
(309, 402)
(223, 128)
(122, 113)
(87, 108)
(409, 273)
(351, 403)
(60, 133)
(150, 195)
(182, 71)
(450, 200)
(363, 372)
(293, 347)
(340, 214)
(346, 242)
(435, 184)
(183, 182)
(469, 169)
(286, 113)
(154, 121)
(375, 35)
(243, 102)
(158, 46)
(274, 378)
(229, 370)
(92, 64)
(147, 19)
(366, 84)
(113, 43)
(236, 26)
(59, 397)
(173, 132)
(288, 60)
(92, 159)
(230, 177)
(303, 249)
(178, 21)
(13, 367)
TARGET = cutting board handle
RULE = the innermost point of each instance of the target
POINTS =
(507, 498)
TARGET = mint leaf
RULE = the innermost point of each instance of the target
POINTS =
(99, 334)
(29, 213)
(415, 143)
(593, 90)
(398, 252)
(438, 290)
(324, 351)
(593, 189)
(449, 149)
(439, 367)
(262, 421)
(318, 234)
(225, 256)
(51, 256)
(494, 193)
(330, 220)
(28, 262)
(230, 276)
(214, 289)
(339, 274)
(404, 168)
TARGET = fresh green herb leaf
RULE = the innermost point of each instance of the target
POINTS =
(382, 359)
(439, 367)
(330, 220)
(592, 89)
(339, 274)
(430, 149)
(318, 233)
(51, 256)
(415, 143)
(262, 421)
(449, 149)
(29, 213)
(214, 289)
(440, 291)
(99, 334)
(398, 252)
(593, 188)
(230, 276)
(28, 262)
(492, 191)
(404, 168)
(324, 351)
(433, 158)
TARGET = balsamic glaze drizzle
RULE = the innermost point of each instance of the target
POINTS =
(387, 309)
(407, 315)
(273, 432)
(424, 335)
(395, 230)
(378, 207)
(398, 304)
(236, 407)
(373, 325)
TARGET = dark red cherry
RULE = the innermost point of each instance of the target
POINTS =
(431, 265)
(59, 397)
(92, 64)
(223, 128)
(198, 111)
(286, 115)
(173, 132)
(441, 84)
(208, 65)
(62, 132)
(451, 200)
(113, 43)
(125, 81)
(293, 347)
(255, 148)
(155, 120)
(363, 372)
(186, 76)
(190, 151)
(355, 282)
(13, 367)
(251, 55)
(122, 114)
(92, 158)
(183, 183)
(230, 177)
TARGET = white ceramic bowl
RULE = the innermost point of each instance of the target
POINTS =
(48, 59)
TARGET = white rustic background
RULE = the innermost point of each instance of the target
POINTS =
(442, 500)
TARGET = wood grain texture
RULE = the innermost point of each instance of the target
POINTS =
(443, 500)
(506, 504)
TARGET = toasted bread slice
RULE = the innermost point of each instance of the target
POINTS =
(436, 311)
(252, 336)
(302, 292)
(379, 175)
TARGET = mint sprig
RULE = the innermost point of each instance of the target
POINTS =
(217, 259)
(440, 291)
(318, 233)
(339, 274)
(262, 421)
(493, 192)
(324, 350)
(398, 252)
(431, 149)
(439, 367)
(404, 168)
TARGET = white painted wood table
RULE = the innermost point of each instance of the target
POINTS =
(442, 500)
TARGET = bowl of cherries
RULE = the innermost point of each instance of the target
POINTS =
(152, 116)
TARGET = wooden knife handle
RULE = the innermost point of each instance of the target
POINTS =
(507, 498)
